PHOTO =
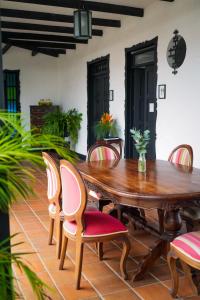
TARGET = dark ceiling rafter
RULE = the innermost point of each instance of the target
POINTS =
(46, 51)
(6, 48)
(47, 28)
(40, 37)
(39, 44)
(43, 16)
(168, 0)
(90, 5)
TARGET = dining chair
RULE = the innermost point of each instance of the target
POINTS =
(83, 226)
(98, 152)
(186, 248)
(54, 197)
(183, 154)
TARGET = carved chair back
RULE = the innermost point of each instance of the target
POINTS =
(53, 181)
(74, 194)
(183, 155)
(99, 152)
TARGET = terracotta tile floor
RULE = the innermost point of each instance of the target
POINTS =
(100, 280)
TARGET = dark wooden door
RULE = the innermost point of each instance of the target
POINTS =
(141, 103)
(98, 94)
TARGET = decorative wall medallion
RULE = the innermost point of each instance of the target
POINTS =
(176, 52)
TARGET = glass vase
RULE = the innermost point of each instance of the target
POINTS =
(142, 163)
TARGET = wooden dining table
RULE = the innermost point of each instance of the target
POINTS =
(164, 186)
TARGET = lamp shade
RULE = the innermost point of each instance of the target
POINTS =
(83, 24)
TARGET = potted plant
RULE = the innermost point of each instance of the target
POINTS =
(141, 142)
(55, 123)
(106, 127)
(15, 146)
(73, 120)
(63, 124)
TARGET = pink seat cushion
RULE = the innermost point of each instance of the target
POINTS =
(96, 224)
(189, 245)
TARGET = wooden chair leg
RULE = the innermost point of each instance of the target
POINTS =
(63, 253)
(59, 238)
(161, 220)
(187, 271)
(100, 250)
(51, 228)
(171, 259)
(78, 265)
(125, 253)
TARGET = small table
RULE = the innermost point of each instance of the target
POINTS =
(164, 186)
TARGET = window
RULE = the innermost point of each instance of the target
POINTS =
(144, 58)
(12, 91)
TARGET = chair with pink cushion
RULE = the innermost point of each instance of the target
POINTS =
(54, 197)
(182, 155)
(185, 247)
(100, 152)
(83, 226)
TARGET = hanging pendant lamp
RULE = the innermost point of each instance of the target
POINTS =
(82, 24)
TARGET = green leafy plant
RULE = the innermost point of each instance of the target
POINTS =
(73, 119)
(6, 260)
(63, 124)
(141, 140)
(55, 123)
(106, 127)
(16, 147)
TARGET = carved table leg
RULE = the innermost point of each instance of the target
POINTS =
(149, 260)
(172, 226)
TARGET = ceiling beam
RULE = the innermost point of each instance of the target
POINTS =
(40, 37)
(39, 44)
(49, 52)
(34, 52)
(34, 15)
(90, 5)
(6, 48)
(47, 28)
(168, 0)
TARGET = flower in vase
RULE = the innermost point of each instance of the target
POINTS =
(106, 127)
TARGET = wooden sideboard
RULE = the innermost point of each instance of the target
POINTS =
(37, 113)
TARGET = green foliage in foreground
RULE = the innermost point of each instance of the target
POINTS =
(6, 275)
(16, 147)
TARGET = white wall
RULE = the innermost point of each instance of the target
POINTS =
(38, 77)
(177, 120)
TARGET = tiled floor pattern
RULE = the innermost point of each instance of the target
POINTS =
(100, 280)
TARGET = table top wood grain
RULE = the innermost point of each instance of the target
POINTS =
(163, 184)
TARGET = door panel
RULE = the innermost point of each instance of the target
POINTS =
(141, 103)
(98, 92)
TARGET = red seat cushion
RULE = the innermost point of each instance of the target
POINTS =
(189, 245)
(96, 224)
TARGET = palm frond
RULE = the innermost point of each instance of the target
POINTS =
(6, 274)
